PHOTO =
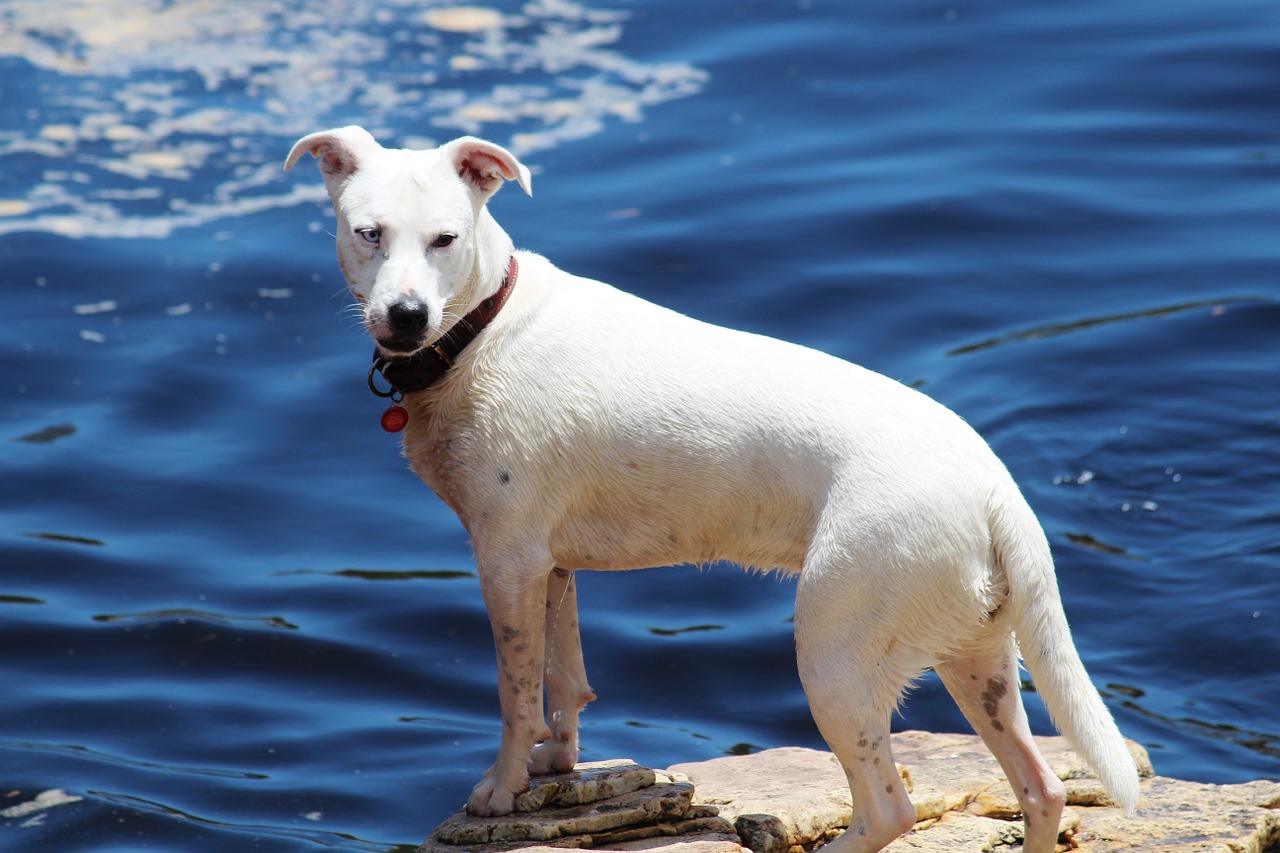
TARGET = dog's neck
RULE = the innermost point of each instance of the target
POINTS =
(425, 367)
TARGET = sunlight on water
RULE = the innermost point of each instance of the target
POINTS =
(154, 116)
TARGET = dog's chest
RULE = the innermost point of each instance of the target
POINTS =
(474, 452)
(439, 445)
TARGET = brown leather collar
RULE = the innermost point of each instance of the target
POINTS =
(425, 367)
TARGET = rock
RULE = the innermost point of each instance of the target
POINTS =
(712, 841)
(588, 783)
(652, 804)
(778, 799)
(949, 771)
(793, 800)
(615, 804)
(953, 831)
(1187, 816)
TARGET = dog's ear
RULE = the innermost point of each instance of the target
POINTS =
(339, 151)
(484, 166)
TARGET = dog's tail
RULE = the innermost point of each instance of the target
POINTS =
(1044, 639)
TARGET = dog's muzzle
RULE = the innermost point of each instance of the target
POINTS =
(416, 372)
(407, 322)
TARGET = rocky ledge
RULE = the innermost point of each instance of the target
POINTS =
(793, 800)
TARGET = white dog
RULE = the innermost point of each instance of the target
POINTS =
(573, 426)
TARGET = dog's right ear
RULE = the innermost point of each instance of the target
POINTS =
(339, 151)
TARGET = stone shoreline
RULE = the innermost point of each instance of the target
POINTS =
(793, 800)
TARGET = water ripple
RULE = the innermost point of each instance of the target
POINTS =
(1051, 330)
(49, 434)
(75, 750)
(387, 574)
(181, 615)
(339, 840)
(68, 538)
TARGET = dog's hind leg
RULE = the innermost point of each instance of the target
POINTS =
(984, 682)
(853, 674)
(566, 678)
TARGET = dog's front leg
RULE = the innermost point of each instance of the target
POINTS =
(515, 594)
(566, 676)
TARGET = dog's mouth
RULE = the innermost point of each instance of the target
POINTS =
(399, 347)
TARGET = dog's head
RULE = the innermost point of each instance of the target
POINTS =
(415, 241)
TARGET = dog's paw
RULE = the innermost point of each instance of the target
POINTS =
(491, 798)
(553, 756)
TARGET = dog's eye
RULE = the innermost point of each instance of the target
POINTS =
(372, 236)
(443, 240)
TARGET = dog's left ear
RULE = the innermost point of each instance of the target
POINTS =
(484, 166)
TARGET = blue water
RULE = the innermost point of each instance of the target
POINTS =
(231, 619)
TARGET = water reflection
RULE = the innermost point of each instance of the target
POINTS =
(157, 116)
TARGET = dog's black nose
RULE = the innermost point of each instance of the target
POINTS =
(407, 318)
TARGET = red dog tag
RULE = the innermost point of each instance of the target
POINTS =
(395, 419)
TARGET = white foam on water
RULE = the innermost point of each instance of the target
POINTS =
(44, 800)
